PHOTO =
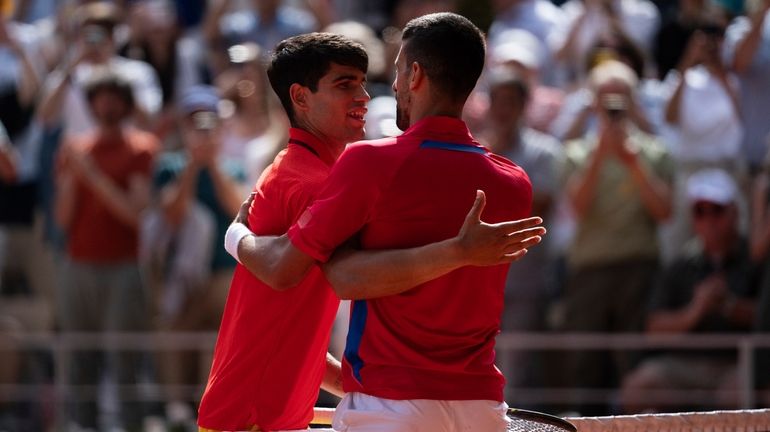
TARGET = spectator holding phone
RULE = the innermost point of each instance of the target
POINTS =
(703, 111)
(62, 103)
(618, 185)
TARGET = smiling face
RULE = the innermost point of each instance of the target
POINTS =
(335, 112)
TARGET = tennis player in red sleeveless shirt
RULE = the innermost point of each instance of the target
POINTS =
(421, 359)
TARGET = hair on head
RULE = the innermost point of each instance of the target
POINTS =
(451, 50)
(306, 58)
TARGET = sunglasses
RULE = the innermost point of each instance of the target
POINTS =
(703, 209)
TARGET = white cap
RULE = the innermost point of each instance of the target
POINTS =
(520, 46)
(711, 185)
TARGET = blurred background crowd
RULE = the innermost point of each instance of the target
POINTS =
(131, 131)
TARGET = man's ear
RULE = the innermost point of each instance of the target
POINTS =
(298, 96)
(417, 76)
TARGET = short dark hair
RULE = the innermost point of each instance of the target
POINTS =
(109, 80)
(306, 58)
(450, 48)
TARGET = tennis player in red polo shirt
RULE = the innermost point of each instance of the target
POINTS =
(423, 359)
(270, 356)
(269, 359)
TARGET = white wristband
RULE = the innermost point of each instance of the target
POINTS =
(235, 232)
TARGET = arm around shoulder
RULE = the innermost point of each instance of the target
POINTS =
(274, 260)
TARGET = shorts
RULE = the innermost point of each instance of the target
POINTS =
(358, 412)
(254, 429)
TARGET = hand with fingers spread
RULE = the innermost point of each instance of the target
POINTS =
(485, 244)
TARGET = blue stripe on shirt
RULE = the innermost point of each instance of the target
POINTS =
(453, 147)
(355, 332)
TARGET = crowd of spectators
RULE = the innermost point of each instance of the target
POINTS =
(131, 131)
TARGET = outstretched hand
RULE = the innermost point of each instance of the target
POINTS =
(486, 244)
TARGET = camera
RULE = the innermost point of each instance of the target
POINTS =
(615, 105)
(205, 120)
(94, 35)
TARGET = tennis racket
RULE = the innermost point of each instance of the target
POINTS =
(533, 421)
(521, 421)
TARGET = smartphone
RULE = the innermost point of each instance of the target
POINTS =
(94, 35)
(205, 120)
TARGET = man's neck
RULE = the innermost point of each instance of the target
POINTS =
(433, 108)
(335, 146)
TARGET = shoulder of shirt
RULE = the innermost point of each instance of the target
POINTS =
(293, 164)
(373, 147)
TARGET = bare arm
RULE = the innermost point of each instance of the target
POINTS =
(29, 83)
(210, 24)
(760, 220)
(66, 194)
(581, 186)
(175, 198)
(228, 191)
(567, 51)
(747, 48)
(50, 107)
(674, 104)
(332, 380)
(274, 260)
(707, 298)
(367, 274)
(692, 56)
(125, 205)
(356, 274)
(655, 193)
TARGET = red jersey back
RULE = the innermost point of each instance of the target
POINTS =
(435, 341)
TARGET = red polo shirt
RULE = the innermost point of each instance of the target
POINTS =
(270, 354)
(435, 341)
(96, 234)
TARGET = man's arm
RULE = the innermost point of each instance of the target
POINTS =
(274, 260)
(332, 380)
(356, 274)
(368, 274)
(748, 46)
(125, 205)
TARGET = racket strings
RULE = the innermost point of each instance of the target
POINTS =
(522, 425)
